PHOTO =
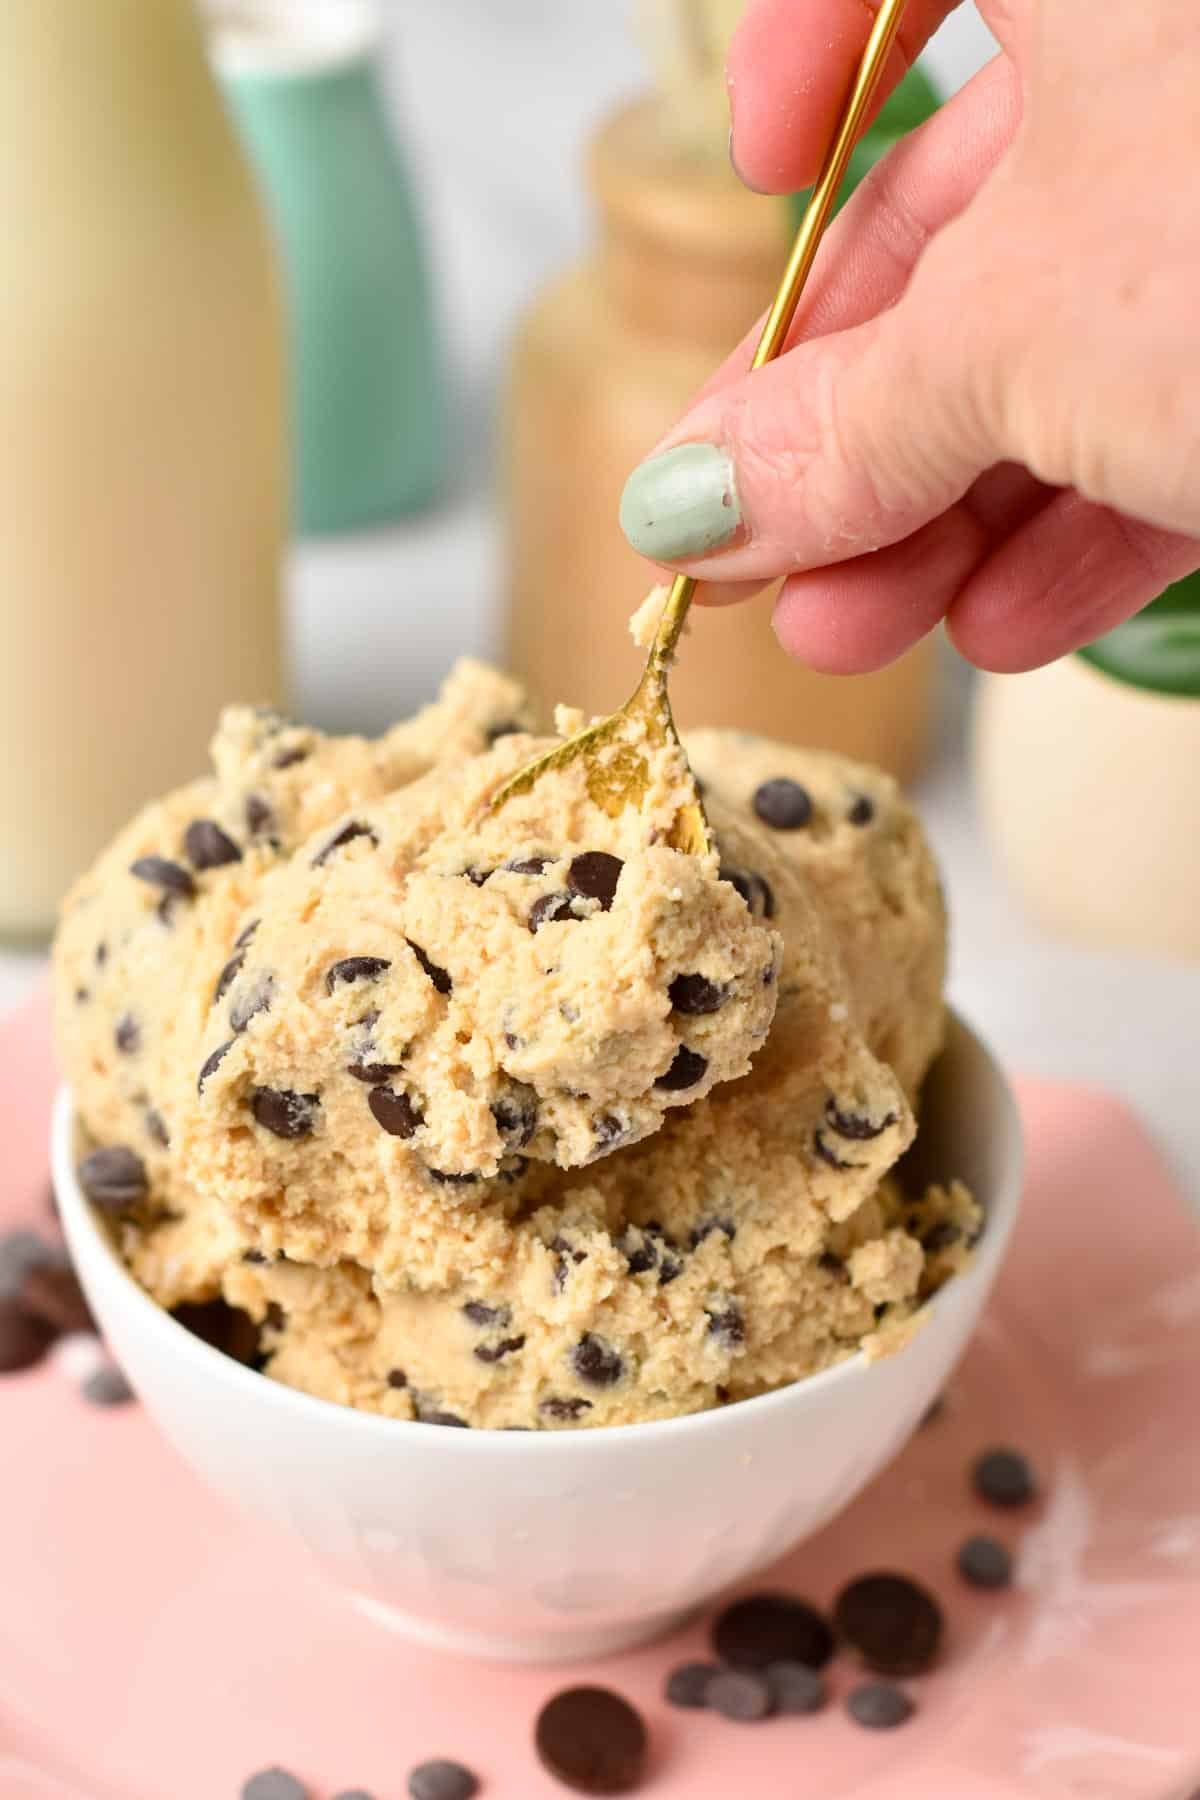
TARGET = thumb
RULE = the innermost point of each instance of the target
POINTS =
(847, 443)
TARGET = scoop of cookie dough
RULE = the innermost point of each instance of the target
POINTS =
(861, 847)
(434, 996)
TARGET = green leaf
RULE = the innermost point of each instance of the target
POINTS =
(915, 100)
(1159, 648)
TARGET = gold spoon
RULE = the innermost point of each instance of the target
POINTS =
(618, 774)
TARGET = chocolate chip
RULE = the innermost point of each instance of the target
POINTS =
(397, 1113)
(527, 865)
(439, 977)
(374, 1072)
(107, 1386)
(114, 1178)
(396, 1378)
(739, 1694)
(828, 1155)
(755, 890)
(862, 810)
(101, 954)
(795, 1688)
(985, 1563)
(224, 1327)
(894, 1624)
(21, 1251)
(254, 1256)
(693, 994)
(353, 829)
(1004, 1477)
(596, 1362)
(127, 1035)
(858, 1126)
(783, 804)
(549, 908)
(640, 1252)
(706, 1227)
(440, 1780)
(483, 1315)
(284, 1112)
(51, 1292)
(82, 996)
(432, 1416)
(453, 1177)
(245, 934)
(494, 1353)
(254, 999)
(506, 728)
(942, 1236)
(273, 1784)
(878, 1705)
(572, 1408)
(594, 876)
(207, 846)
(287, 759)
(516, 1116)
(687, 1068)
(171, 877)
(668, 1269)
(607, 1130)
(24, 1340)
(771, 1628)
(355, 968)
(687, 1685)
(593, 1740)
(156, 1128)
(478, 877)
(353, 1794)
(229, 975)
(725, 1323)
(260, 816)
(211, 1063)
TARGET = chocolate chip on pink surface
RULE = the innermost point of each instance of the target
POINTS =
(593, 1740)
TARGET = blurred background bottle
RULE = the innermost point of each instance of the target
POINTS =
(304, 82)
(606, 360)
(142, 464)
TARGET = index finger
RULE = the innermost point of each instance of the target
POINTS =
(789, 68)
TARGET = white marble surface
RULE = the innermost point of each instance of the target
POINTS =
(494, 103)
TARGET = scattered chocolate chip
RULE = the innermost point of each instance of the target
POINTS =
(1003, 1477)
(354, 828)
(51, 1292)
(24, 1340)
(772, 1628)
(593, 1740)
(260, 816)
(156, 1128)
(254, 999)
(107, 1386)
(21, 1251)
(211, 1063)
(223, 1327)
(639, 1250)
(453, 1177)
(668, 1269)
(571, 1408)
(439, 977)
(516, 1115)
(113, 1178)
(607, 1130)
(273, 1784)
(565, 1253)
(355, 968)
(229, 975)
(726, 1324)
(942, 1236)
(494, 1353)
(795, 1688)
(396, 1378)
(478, 877)
(512, 1168)
(483, 1315)
(353, 1794)
(687, 1068)
(274, 1319)
(397, 1113)
(440, 1780)
(245, 934)
(687, 1685)
(101, 954)
(549, 908)
(862, 810)
(208, 847)
(171, 877)
(374, 1072)
(755, 890)
(284, 1112)
(506, 728)
(783, 804)
(253, 1256)
(894, 1624)
(706, 1227)
(82, 996)
(596, 1362)
(878, 1705)
(693, 994)
(526, 865)
(859, 1126)
(287, 759)
(432, 1416)
(985, 1563)
(828, 1155)
(739, 1694)
(594, 876)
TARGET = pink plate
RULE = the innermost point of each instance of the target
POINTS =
(154, 1646)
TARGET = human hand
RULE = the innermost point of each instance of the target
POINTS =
(986, 411)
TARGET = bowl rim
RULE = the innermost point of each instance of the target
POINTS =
(81, 1226)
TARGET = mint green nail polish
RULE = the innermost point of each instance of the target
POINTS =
(681, 504)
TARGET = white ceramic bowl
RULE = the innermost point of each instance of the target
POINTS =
(545, 1546)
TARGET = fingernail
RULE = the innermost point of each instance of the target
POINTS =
(681, 504)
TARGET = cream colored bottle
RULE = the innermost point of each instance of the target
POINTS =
(142, 440)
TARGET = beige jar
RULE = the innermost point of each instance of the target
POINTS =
(142, 458)
(603, 364)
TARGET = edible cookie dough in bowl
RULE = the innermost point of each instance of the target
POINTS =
(403, 1116)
